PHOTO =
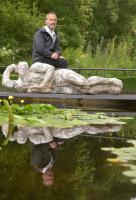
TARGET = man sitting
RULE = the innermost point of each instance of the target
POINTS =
(46, 47)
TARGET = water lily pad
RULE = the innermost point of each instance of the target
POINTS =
(40, 115)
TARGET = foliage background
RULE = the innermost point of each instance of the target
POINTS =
(102, 28)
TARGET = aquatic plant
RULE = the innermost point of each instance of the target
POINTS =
(41, 115)
(125, 156)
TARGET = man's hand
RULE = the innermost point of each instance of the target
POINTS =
(55, 56)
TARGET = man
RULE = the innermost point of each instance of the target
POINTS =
(46, 47)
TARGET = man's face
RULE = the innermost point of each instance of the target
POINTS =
(48, 178)
(51, 21)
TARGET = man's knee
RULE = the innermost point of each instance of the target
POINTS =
(63, 63)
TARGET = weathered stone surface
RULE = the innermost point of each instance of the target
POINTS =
(41, 77)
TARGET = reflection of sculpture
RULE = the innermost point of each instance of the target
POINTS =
(44, 78)
(46, 134)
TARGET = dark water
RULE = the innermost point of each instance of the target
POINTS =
(82, 170)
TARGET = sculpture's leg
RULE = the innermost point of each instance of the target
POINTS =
(110, 89)
(36, 88)
(105, 128)
(69, 132)
(69, 76)
(95, 80)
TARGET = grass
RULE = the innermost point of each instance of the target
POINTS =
(112, 56)
(129, 85)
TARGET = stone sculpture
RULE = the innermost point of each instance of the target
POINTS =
(41, 77)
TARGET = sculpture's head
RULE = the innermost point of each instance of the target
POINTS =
(22, 68)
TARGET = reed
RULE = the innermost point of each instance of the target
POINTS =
(110, 55)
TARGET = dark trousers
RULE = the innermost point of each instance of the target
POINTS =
(59, 63)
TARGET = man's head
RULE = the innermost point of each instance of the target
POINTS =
(51, 20)
(48, 177)
(22, 68)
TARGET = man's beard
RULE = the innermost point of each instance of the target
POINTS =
(52, 26)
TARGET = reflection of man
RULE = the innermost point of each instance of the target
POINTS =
(46, 47)
(43, 158)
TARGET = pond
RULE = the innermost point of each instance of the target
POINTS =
(87, 161)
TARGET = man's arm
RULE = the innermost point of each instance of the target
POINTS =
(40, 46)
(57, 53)
(57, 46)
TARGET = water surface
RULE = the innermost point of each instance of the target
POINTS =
(82, 169)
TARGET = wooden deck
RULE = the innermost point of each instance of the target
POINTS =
(71, 96)
(122, 102)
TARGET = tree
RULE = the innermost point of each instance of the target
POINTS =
(107, 19)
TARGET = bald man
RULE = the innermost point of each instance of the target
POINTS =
(46, 48)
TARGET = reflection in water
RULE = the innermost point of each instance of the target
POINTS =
(46, 134)
(127, 157)
(46, 143)
(80, 170)
(43, 158)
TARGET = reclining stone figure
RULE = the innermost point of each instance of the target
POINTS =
(41, 77)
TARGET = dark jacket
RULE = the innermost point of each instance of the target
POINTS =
(41, 155)
(43, 46)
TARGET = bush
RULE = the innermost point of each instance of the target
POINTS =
(6, 56)
(18, 24)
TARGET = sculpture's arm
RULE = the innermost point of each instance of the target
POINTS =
(40, 67)
(6, 81)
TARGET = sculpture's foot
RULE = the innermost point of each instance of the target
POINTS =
(117, 82)
(105, 89)
(117, 91)
(114, 90)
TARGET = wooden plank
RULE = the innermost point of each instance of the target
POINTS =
(70, 96)
(101, 102)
